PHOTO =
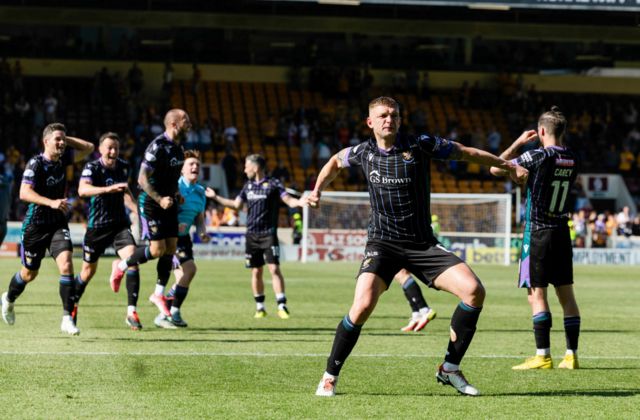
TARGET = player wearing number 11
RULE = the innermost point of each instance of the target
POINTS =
(546, 246)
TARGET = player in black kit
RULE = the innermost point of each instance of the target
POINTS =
(262, 194)
(397, 170)
(158, 206)
(45, 225)
(105, 180)
(547, 254)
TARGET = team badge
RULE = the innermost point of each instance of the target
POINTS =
(182, 254)
(407, 156)
(153, 228)
(265, 184)
(366, 263)
(87, 255)
(28, 260)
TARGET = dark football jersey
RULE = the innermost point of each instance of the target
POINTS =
(399, 185)
(48, 179)
(165, 158)
(263, 201)
(106, 209)
(552, 172)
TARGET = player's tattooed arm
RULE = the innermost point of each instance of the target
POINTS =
(145, 184)
(512, 151)
(83, 148)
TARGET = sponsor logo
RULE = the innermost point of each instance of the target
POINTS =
(256, 196)
(176, 162)
(376, 178)
(371, 253)
(108, 181)
(52, 180)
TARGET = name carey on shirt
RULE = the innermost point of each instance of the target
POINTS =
(376, 178)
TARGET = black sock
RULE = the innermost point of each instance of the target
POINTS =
(179, 296)
(133, 287)
(346, 338)
(141, 255)
(165, 263)
(16, 287)
(259, 298)
(414, 295)
(463, 327)
(282, 300)
(80, 286)
(542, 329)
(67, 293)
(572, 331)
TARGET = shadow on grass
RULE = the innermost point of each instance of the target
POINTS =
(573, 393)
(214, 340)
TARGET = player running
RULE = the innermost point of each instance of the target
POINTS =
(190, 212)
(547, 254)
(45, 226)
(105, 181)
(262, 194)
(400, 235)
(158, 206)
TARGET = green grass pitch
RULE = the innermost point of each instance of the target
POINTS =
(227, 364)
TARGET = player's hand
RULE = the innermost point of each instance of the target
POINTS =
(313, 199)
(117, 188)
(519, 175)
(166, 202)
(205, 238)
(210, 193)
(526, 137)
(179, 198)
(61, 204)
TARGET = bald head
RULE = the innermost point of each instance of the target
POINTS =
(173, 116)
(176, 124)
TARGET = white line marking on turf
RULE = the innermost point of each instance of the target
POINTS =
(231, 354)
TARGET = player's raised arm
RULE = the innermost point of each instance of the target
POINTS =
(471, 154)
(227, 202)
(83, 148)
(511, 151)
(327, 174)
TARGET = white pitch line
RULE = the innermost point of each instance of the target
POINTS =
(230, 354)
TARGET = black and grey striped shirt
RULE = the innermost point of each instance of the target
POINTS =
(48, 179)
(399, 185)
(106, 209)
(552, 172)
(263, 201)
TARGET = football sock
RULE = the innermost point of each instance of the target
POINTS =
(542, 322)
(16, 287)
(346, 338)
(259, 302)
(80, 286)
(131, 309)
(572, 332)
(281, 299)
(67, 293)
(141, 255)
(163, 268)
(414, 295)
(463, 327)
(133, 287)
(179, 296)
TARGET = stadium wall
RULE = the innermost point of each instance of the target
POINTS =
(153, 72)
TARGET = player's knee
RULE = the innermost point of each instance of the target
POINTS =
(66, 267)
(28, 275)
(157, 251)
(478, 294)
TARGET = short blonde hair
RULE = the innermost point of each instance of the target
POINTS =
(384, 100)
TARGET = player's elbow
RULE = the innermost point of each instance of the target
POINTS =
(496, 171)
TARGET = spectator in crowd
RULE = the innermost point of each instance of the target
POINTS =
(230, 167)
(281, 172)
(50, 107)
(623, 222)
(136, 79)
(204, 137)
(635, 226)
(627, 159)
(230, 135)
(306, 154)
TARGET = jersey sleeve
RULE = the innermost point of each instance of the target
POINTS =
(434, 146)
(243, 193)
(87, 173)
(353, 156)
(278, 187)
(29, 174)
(531, 159)
(152, 155)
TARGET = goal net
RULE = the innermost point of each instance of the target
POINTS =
(477, 227)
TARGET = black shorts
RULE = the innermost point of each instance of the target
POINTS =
(261, 248)
(546, 258)
(184, 250)
(157, 223)
(426, 262)
(96, 240)
(36, 239)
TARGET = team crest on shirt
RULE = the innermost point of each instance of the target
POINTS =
(182, 254)
(28, 260)
(265, 184)
(366, 263)
(407, 156)
(87, 255)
